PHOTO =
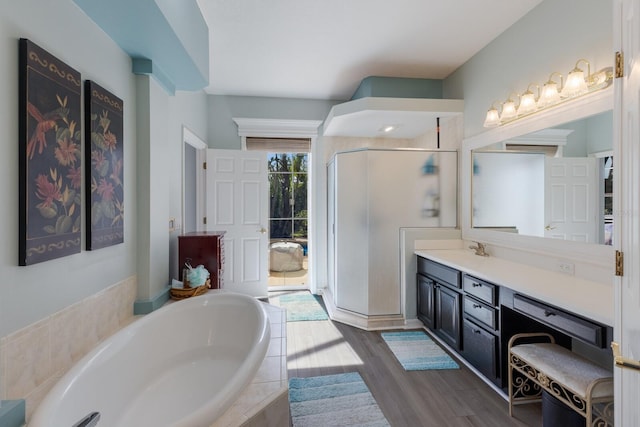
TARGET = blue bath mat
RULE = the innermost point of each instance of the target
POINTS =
(333, 400)
(302, 307)
(417, 352)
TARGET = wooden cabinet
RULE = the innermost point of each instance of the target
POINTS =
(448, 315)
(463, 312)
(206, 248)
(426, 304)
(481, 330)
(481, 349)
(476, 319)
(439, 301)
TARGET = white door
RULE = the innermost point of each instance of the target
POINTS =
(571, 209)
(331, 227)
(627, 209)
(238, 203)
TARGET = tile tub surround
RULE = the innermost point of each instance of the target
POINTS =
(265, 401)
(34, 358)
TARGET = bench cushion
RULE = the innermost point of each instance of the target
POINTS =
(566, 367)
(285, 256)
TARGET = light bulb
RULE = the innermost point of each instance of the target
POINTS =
(549, 95)
(508, 110)
(493, 118)
(527, 103)
(575, 85)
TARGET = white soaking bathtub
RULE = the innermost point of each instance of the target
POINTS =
(182, 365)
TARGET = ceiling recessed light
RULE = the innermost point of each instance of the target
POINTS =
(388, 128)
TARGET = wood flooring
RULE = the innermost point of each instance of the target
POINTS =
(455, 397)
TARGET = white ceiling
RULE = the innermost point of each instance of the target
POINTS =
(323, 49)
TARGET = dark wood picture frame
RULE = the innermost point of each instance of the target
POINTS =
(104, 159)
(50, 159)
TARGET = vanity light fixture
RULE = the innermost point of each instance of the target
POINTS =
(576, 85)
(508, 110)
(493, 117)
(550, 94)
(528, 102)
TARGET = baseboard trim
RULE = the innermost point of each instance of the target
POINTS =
(367, 323)
(149, 305)
(12, 413)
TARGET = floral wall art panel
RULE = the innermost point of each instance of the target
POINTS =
(104, 159)
(50, 156)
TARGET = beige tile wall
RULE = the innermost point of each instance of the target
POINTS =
(34, 358)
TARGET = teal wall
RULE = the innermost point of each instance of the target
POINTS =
(152, 169)
(398, 87)
(165, 37)
(223, 132)
(590, 135)
(28, 294)
(600, 133)
(552, 37)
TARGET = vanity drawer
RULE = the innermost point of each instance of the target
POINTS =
(482, 350)
(482, 290)
(572, 325)
(482, 313)
(438, 271)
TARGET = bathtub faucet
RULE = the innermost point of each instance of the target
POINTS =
(91, 420)
(479, 248)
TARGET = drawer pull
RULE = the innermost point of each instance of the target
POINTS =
(476, 331)
(548, 313)
(476, 285)
(477, 306)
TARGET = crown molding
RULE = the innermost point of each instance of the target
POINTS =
(277, 128)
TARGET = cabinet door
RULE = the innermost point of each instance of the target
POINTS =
(448, 315)
(481, 350)
(426, 298)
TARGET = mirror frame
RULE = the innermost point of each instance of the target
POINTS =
(588, 105)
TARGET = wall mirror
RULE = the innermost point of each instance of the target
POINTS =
(516, 198)
(553, 183)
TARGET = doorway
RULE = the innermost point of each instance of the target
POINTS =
(193, 182)
(288, 174)
(293, 136)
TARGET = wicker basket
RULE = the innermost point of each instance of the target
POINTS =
(182, 293)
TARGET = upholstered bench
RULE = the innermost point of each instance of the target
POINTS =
(577, 382)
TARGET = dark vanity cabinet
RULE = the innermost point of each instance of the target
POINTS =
(448, 315)
(481, 330)
(206, 248)
(476, 319)
(426, 301)
(440, 300)
(462, 311)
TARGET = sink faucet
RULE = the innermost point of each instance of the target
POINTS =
(479, 248)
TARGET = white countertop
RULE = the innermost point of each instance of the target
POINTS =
(583, 297)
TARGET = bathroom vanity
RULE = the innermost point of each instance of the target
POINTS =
(475, 304)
